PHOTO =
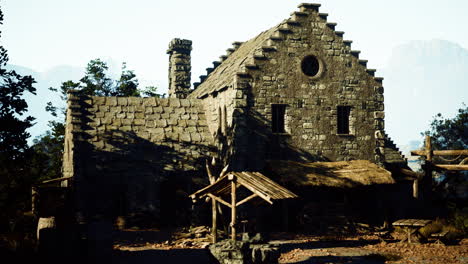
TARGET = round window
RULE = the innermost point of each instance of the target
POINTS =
(310, 66)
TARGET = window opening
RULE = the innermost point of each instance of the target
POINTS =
(278, 112)
(343, 119)
(310, 66)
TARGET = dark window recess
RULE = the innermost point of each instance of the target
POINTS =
(278, 112)
(310, 66)
(343, 119)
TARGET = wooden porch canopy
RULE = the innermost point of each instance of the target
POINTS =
(260, 186)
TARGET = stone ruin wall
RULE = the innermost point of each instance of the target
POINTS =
(311, 113)
(123, 148)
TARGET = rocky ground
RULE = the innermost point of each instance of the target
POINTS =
(362, 249)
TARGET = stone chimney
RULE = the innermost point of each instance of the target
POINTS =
(179, 67)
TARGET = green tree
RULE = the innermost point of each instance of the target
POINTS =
(152, 91)
(46, 162)
(15, 178)
(95, 81)
(127, 85)
(449, 133)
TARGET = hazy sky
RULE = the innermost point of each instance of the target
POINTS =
(41, 34)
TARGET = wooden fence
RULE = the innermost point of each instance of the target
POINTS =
(431, 166)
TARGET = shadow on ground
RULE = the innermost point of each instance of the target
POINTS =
(192, 256)
(371, 259)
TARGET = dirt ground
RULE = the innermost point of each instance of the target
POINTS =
(369, 249)
(299, 249)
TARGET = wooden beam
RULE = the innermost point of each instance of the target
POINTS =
(219, 200)
(452, 167)
(57, 180)
(427, 180)
(441, 152)
(224, 171)
(210, 174)
(214, 226)
(263, 196)
(247, 199)
(233, 210)
(429, 153)
(416, 189)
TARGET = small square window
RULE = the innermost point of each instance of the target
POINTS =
(343, 119)
(278, 112)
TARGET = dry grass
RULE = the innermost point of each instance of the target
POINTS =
(332, 174)
(439, 226)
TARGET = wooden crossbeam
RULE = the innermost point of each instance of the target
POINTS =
(57, 180)
(452, 167)
(247, 199)
(219, 200)
(260, 194)
(441, 152)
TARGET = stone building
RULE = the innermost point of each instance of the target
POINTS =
(297, 91)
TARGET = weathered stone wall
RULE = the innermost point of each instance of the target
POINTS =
(69, 147)
(179, 67)
(273, 75)
(129, 150)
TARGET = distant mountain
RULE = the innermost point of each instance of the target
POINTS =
(423, 78)
(37, 103)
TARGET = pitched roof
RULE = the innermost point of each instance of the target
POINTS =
(224, 74)
(256, 182)
(340, 174)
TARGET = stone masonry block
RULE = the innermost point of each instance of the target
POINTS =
(150, 101)
(185, 137)
(379, 115)
(139, 122)
(158, 109)
(98, 100)
(135, 101)
(185, 102)
(183, 123)
(174, 102)
(111, 101)
(307, 125)
(122, 101)
(161, 123)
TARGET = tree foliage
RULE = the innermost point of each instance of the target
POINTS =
(15, 176)
(449, 133)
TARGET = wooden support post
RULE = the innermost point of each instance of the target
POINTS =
(428, 171)
(233, 209)
(34, 197)
(416, 189)
(429, 153)
(214, 227)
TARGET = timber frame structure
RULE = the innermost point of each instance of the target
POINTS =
(429, 153)
(257, 183)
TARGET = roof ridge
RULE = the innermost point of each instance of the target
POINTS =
(229, 51)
